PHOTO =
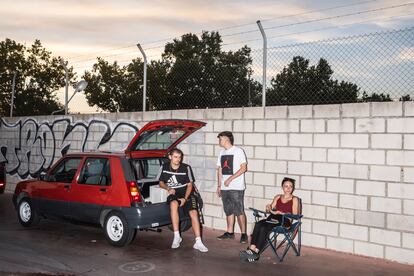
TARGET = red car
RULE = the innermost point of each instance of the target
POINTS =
(2, 178)
(108, 189)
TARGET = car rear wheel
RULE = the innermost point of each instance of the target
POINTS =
(26, 213)
(117, 231)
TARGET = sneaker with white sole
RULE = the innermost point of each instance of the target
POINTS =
(176, 242)
(200, 246)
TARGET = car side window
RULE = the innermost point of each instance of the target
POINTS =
(65, 171)
(95, 171)
(150, 168)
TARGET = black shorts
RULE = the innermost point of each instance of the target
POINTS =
(233, 202)
(190, 204)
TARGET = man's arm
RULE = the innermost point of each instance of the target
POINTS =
(242, 170)
(165, 187)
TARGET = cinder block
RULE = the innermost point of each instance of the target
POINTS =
(223, 126)
(219, 223)
(353, 202)
(255, 139)
(399, 255)
(340, 185)
(165, 114)
(313, 183)
(369, 249)
(287, 126)
(341, 155)
(306, 225)
(339, 244)
(149, 116)
(370, 218)
(354, 171)
(208, 127)
(255, 165)
(408, 207)
(340, 215)
(370, 157)
(213, 114)
(275, 139)
(254, 191)
(314, 211)
(409, 175)
(196, 114)
(385, 173)
(271, 192)
(312, 126)
(301, 168)
(326, 111)
(313, 240)
(267, 179)
(354, 140)
(386, 205)
(370, 125)
(243, 126)
(301, 140)
(233, 113)
(300, 111)
(212, 210)
(253, 112)
(400, 125)
(264, 126)
(400, 222)
(288, 153)
(386, 141)
(382, 109)
(325, 227)
(304, 195)
(401, 158)
(179, 114)
(355, 110)
(408, 240)
(272, 166)
(265, 153)
(324, 198)
(341, 125)
(401, 190)
(314, 154)
(326, 140)
(373, 188)
(260, 203)
(409, 141)
(409, 108)
(386, 237)
(210, 138)
(325, 169)
(353, 232)
(275, 112)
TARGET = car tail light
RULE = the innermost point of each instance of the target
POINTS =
(1, 183)
(134, 191)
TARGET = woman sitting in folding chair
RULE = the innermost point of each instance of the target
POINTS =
(281, 204)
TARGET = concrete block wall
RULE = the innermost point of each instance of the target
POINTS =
(354, 165)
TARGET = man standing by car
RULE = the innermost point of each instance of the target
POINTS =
(231, 166)
(177, 178)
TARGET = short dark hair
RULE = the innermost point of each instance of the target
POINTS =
(227, 134)
(291, 180)
(177, 150)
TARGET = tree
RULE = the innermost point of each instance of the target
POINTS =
(299, 83)
(193, 73)
(374, 97)
(39, 75)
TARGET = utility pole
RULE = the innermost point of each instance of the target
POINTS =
(12, 96)
(64, 64)
(144, 94)
(264, 62)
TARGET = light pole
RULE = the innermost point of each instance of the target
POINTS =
(12, 97)
(80, 86)
(64, 64)
(144, 94)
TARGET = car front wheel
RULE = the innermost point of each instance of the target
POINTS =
(26, 213)
(117, 231)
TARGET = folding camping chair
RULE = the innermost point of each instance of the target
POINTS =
(289, 234)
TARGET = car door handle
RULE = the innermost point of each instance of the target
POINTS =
(103, 189)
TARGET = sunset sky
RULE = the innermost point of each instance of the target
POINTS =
(81, 30)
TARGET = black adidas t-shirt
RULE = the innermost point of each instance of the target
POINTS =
(176, 178)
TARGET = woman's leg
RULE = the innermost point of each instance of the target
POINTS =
(262, 234)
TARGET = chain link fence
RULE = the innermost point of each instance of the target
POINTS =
(370, 67)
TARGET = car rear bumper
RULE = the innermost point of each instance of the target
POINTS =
(150, 216)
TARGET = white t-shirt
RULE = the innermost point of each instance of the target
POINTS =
(229, 161)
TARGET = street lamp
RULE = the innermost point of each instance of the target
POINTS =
(80, 86)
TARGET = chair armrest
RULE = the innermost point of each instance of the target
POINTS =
(257, 212)
(291, 216)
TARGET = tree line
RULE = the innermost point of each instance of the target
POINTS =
(193, 72)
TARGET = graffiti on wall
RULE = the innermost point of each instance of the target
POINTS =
(29, 147)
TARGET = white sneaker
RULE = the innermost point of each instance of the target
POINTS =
(176, 242)
(200, 246)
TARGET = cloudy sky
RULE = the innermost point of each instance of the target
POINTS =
(81, 30)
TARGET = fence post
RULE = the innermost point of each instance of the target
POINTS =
(264, 62)
(144, 95)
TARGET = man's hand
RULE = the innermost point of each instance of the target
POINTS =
(227, 182)
(218, 192)
(182, 201)
(171, 191)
